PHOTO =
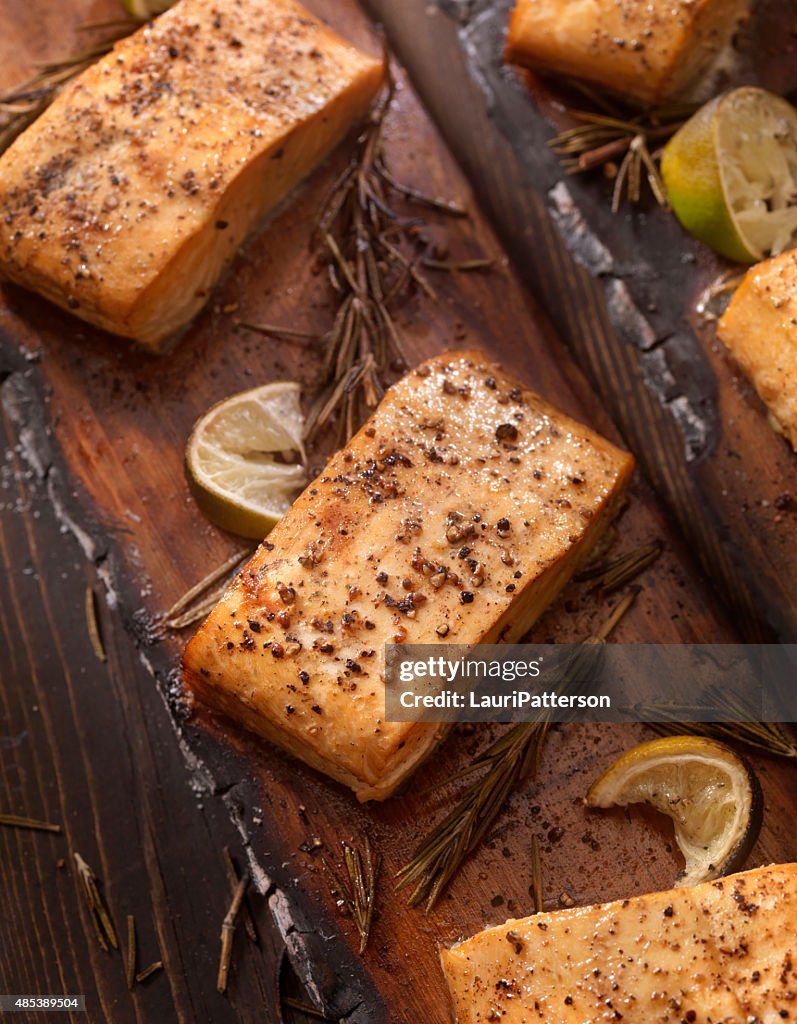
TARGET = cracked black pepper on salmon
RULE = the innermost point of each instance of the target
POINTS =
(652, 50)
(723, 952)
(126, 199)
(430, 524)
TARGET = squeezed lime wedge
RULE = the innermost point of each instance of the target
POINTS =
(245, 459)
(731, 174)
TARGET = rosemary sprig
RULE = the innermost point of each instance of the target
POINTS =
(766, 736)
(508, 762)
(358, 891)
(611, 576)
(228, 932)
(373, 255)
(600, 139)
(22, 104)
(100, 918)
(18, 821)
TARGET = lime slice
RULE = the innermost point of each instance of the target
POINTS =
(245, 458)
(731, 174)
(710, 793)
(146, 9)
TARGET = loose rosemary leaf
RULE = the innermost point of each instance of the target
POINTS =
(19, 821)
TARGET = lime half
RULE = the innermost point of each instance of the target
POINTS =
(245, 458)
(731, 174)
(710, 793)
(146, 9)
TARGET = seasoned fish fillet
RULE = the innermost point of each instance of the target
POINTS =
(724, 952)
(125, 200)
(457, 512)
(651, 50)
(760, 330)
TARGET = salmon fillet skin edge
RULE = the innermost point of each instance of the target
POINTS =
(456, 514)
(125, 201)
(723, 952)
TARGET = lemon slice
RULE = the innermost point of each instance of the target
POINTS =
(245, 458)
(145, 9)
(710, 793)
(731, 174)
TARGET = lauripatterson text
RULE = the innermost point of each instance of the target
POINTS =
(513, 699)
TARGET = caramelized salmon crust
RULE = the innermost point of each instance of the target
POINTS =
(651, 50)
(457, 513)
(723, 952)
(759, 329)
(126, 199)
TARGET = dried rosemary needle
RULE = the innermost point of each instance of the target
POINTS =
(93, 625)
(611, 576)
(148, 971)
(536, 875)
(200, 599)
(131, 952)
(358, 890)
(19, 821)
(228, 926)
(103, 926)
(235, 878)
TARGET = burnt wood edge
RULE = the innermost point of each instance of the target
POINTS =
(655, 382)
(332, 975)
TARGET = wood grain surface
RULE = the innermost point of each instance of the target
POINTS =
(93, 494)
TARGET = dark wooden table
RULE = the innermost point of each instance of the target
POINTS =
(92, 496)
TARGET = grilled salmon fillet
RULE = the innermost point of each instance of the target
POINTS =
(724, 952)
(651, 50)
(457, 512)
(126, 199)
(759, 328)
